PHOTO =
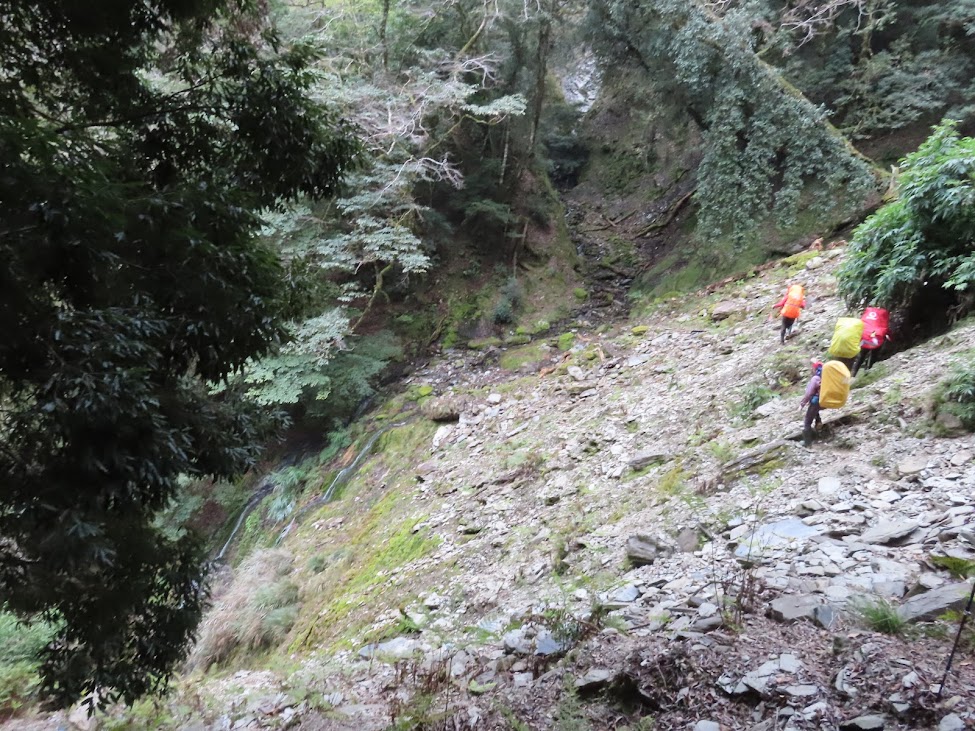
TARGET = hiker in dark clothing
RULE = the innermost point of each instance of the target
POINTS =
(811, 398)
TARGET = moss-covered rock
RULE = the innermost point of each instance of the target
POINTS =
(484, 343)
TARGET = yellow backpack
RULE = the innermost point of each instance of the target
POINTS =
(834, 388)
(846, 338)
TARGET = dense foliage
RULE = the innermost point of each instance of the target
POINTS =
(926, 238)
(880, 65)
(449, 100)
(138, 141)
(766, 149)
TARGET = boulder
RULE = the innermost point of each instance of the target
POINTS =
(443, 408)
(643, 550)
(593, 680)
(773, 536)
(911, 466)
(688, 541)
(829, 485)
(888, 532)
(951, 722)
(728, 308)
(770, 408)
(934, 603)
(792, 608)
(624, 595)
(398, 648)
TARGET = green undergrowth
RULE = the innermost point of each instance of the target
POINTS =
(515, 358)
(20, 648)
(348, 584)
(959, 568)
(398, 447)
(955, 395)
(867, 377)
(345, 607)
(880, 615)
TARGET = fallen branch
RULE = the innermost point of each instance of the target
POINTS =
(615, 270)
(551, 369)
(623, 218)
(671, 214)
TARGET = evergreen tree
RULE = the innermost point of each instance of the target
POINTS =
(766, 148)
(138, 141)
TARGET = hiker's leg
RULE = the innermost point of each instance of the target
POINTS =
(786, 328)
(812, 412)
(870, 356)
(858, 362)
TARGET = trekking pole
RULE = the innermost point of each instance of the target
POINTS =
(961, 626)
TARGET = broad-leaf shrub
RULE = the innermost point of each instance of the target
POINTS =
(924, 238)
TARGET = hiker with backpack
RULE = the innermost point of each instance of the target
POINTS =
(845, 344)
(811, 401)
(791, 306)
(828, 388)
(876, 323)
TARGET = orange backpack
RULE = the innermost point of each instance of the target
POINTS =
(793, 302)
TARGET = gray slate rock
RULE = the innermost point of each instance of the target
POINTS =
(707, 726)
(643, 550)
(726, 309)
(864, 723)
(792, 608)
(780, 534)
(931, 604)
(888, 532)
(625, 594)
(398, 647)
(829, 485)
(648, 457)
(951, 722)
(911, 466)
(688, 541)
(594, 679)
(825, 616)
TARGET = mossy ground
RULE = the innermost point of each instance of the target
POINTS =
(363, 549)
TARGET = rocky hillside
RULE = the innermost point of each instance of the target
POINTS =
(617, 529)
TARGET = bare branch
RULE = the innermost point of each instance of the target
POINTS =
(810, 17)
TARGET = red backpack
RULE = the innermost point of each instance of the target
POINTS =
(876, 321)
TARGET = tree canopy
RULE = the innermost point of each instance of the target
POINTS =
(767, 150)
(139, 144)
